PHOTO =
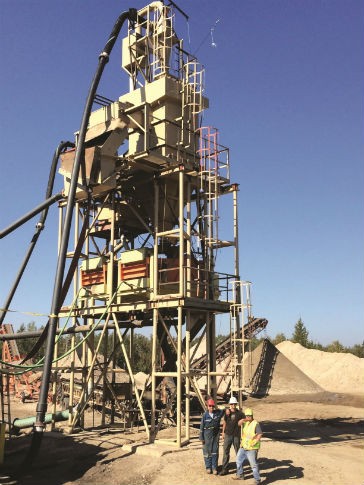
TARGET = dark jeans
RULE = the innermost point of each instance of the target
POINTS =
(210, 451)
(228, 441)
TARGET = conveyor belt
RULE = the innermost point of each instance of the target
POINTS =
(251, 329)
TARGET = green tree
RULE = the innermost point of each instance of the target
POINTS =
(280, 337)
(357, 349)
(26, 345)
(220, 338)
(315, 345)
(335, 346)
(255, 342)
(65, 343)
(300, 334)
(142, 351)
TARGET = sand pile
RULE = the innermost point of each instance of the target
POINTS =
(274, 374)
(335, 372)
(267, 372)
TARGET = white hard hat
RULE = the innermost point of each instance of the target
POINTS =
(233, 400)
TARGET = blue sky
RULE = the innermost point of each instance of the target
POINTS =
(285, 83)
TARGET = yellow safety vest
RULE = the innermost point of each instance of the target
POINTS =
(247, 434)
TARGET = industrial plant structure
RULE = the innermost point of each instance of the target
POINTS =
(145, 217)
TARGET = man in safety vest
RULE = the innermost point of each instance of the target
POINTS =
(251, 434)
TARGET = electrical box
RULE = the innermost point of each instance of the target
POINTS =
(134, 274)
(93, 276)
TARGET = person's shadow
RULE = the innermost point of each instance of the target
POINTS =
(273, 470)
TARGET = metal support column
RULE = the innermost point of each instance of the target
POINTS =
(208, 354)
(153, 370)
(179, 375)
(188, 240)
(187, 372)
(181, 233)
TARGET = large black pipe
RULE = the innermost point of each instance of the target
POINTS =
(39, 227)
(44, 205)
(42, 403)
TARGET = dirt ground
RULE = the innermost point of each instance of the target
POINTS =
(308, 439)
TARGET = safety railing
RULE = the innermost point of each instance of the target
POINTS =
(197, 283)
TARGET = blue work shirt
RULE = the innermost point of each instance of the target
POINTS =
(210, 424)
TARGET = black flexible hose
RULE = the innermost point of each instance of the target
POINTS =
(39, 227)
(42, 403)
(66, 286)
(62, 147)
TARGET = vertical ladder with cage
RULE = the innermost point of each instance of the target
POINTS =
(209, 172)
(163, 39)
(240, 315)
(214, 172)
(192, 102)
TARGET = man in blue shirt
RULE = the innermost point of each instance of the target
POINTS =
(210, 435)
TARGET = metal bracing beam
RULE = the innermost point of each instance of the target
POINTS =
(131, 375)
(88, 391)
(184, 361)
(198, 343)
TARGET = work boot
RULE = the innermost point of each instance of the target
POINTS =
(208, 471)
(215, 472)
